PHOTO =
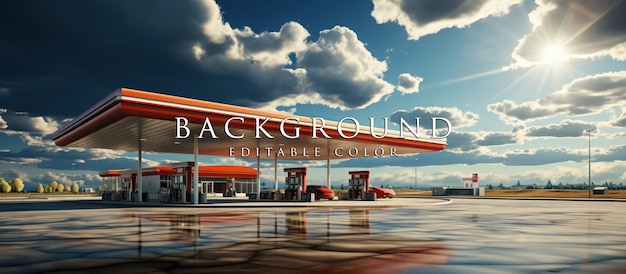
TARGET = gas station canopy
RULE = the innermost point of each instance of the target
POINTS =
(128, 119)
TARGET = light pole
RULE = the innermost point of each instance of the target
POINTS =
(416, 173)
(589, 182)
(73, 164)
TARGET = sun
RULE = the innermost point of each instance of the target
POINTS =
(554, 54)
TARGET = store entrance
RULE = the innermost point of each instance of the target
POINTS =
(214, 187)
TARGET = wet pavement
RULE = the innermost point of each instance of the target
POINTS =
(389, 236)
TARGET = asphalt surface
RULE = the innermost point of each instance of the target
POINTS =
(400, 235)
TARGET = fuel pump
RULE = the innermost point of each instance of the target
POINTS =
(177, 189)
(295, 183)
(358, 184)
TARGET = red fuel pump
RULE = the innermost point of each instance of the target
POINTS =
(358, 184)
(295, 183)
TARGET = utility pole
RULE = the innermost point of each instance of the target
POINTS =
(416, 173)
(589, 130)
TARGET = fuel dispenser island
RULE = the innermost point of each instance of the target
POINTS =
(358, 184)
(295, 183)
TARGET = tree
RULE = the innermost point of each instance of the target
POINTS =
(60, 187)
(6, 188)
(39, 188)
(74, 188)
(18, 184)
(53, 186)
(549, 185)
(389, 186)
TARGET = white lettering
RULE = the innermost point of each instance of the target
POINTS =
(207, 127)
(321, 127)
(340, 128)
(227, 128)
(259, 127)
(372, 127)
(183, 126)
(297, 129)
(245, 152)
(415, 132)
(337, 153)
(448, 130)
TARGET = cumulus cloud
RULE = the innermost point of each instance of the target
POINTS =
(516, 157)
(194, 53)
(573, 29)
(586, 95)
(566, 128)
(3, 123)
(23, 122)
(620, 121)
(420, 18)
(468, 141)
(408, 83)
(457, 117)
(341, 70)
(11, 174)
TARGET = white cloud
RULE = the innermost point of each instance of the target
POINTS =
(3, 123)
(11, 174)
(341, 71)
(619, 121)
(572, 29)
(336, 70)
(566, 128)
(408, 83)
(23, 122)
(421, 18)
(587, 95)
(457, 117)
(469, 141)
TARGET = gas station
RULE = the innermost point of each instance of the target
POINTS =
(134, 120)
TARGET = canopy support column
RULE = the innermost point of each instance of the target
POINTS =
(195, 170)
(328, 168)
(258, 177)
(138, 179)
(276, 172)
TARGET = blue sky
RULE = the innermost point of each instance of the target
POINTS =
(520, 80)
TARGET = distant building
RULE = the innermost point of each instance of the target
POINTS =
(600, 190)
(470, 187)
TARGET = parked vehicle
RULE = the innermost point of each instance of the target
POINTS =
(321, 192)
(382, 192)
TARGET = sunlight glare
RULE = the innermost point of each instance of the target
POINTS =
(554, 53)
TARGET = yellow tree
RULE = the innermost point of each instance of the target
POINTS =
(6, 188)
(53, 186)
(39, 188)
(74, 188)
(60, 187)
(18, 184)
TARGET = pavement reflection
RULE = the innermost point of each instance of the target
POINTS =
(467, 235)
